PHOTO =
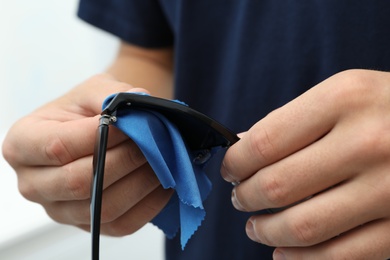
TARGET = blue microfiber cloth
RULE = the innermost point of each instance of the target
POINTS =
(164, 148)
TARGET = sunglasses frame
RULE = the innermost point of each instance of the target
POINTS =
(200, 133)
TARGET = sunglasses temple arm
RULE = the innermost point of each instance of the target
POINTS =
(97, 184)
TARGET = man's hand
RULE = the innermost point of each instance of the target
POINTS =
(329, 149)
(51, 151)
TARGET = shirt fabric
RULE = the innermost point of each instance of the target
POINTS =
(236, 61)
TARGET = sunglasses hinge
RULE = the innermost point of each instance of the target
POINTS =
(107, 119)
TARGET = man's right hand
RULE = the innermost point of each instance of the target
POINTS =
(51, 151)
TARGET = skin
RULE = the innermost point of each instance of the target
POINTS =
(53, 159)
(332, 142)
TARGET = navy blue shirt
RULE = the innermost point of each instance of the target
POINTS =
(237, 60)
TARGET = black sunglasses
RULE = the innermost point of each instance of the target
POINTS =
(199, 132)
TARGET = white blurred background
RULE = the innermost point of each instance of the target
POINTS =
(44, 51)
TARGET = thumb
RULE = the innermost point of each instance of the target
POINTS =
(89, 95)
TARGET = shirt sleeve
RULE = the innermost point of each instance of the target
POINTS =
(139, 22)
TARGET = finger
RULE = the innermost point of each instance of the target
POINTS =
(338, 156)
(139, 215)
(122, 195)
(53, 144)
(64, 129)
(118, 198)
(90, 102)
(320, 218)
(283, 132)
(73, 181)
(311, 170)
(369, 241)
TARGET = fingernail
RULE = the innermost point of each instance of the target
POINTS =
(278, 255)
(236, 203)
(225, 174)
(250, 230)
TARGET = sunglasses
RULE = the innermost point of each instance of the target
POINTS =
(199, 132)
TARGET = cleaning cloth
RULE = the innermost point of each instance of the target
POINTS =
(172, 161)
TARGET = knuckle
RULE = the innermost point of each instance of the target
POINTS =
(355, 87)
(130, 158)
(77, 183)
(56, 151)
(14, 147)
(112, 210)
(303, 232)
(368, 142)
(149, 180)
(134, 156)
(261, 145)
(9, 152)
(372, 143)
(27, 190)
(274, 192)
(107, 214)
(355, 78)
